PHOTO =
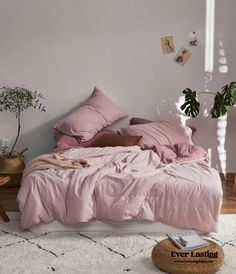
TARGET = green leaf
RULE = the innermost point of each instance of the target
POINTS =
(232, 86)
(229, 99)
(219, 108)
(16, 100)
(191, 106)
(228, 93)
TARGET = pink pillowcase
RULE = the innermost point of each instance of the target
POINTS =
(164, 132)
(98, 112)
(65, 142)
(138, 121)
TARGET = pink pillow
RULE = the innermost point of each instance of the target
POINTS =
(163, 132)
(65, 142)
(98, 112)
(138, 121)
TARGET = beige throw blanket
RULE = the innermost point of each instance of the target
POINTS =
(55, 161)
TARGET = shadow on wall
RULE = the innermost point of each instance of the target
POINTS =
(39, 140)
(226, 131)
(205, 136)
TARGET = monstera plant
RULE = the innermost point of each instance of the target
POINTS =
(223, 100)
(16, 100)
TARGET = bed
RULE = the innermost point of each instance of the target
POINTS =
(123, 183)
(153, 177)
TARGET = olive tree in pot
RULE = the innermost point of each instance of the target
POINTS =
(16, 100)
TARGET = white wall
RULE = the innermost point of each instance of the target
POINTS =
(64, 48)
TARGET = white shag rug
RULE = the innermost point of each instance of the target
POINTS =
(92, 253)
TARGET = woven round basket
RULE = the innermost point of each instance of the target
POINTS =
(167, 257)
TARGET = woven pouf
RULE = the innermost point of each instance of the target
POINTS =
(167, 257)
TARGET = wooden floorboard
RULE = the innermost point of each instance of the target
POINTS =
(8, 198)
(229, 199)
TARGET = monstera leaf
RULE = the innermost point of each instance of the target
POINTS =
(219, 108)
(229, 94)
(191, 106)
(233, 88)
(223, 100)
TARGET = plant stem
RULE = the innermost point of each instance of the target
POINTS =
(17, 136)
(208, 92)
(18, 122)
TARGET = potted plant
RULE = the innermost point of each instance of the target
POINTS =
(223, 100)
(16, 100)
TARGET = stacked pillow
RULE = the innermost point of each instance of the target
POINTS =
(104, 138)
(114, 140)
(168, 131)
(98, 112)
(84, 127)
(138, 121)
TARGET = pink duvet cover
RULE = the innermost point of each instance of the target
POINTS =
(123, 183)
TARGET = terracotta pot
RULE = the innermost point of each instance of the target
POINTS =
(12, 167)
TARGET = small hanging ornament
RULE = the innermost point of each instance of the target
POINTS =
(193, 39)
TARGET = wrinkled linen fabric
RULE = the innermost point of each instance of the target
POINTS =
(54, 161)
(123, 183)
(180, 153)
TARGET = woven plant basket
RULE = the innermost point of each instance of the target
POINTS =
(163, 259)
(12, 167)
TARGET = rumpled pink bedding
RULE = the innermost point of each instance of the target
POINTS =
(180, 153)
(123, 183)
(53, 161)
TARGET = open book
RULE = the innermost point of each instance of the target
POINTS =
(187, 240)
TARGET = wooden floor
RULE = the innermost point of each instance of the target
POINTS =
(229, 199)
(8, 198)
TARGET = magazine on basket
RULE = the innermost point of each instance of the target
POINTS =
(187, 240)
